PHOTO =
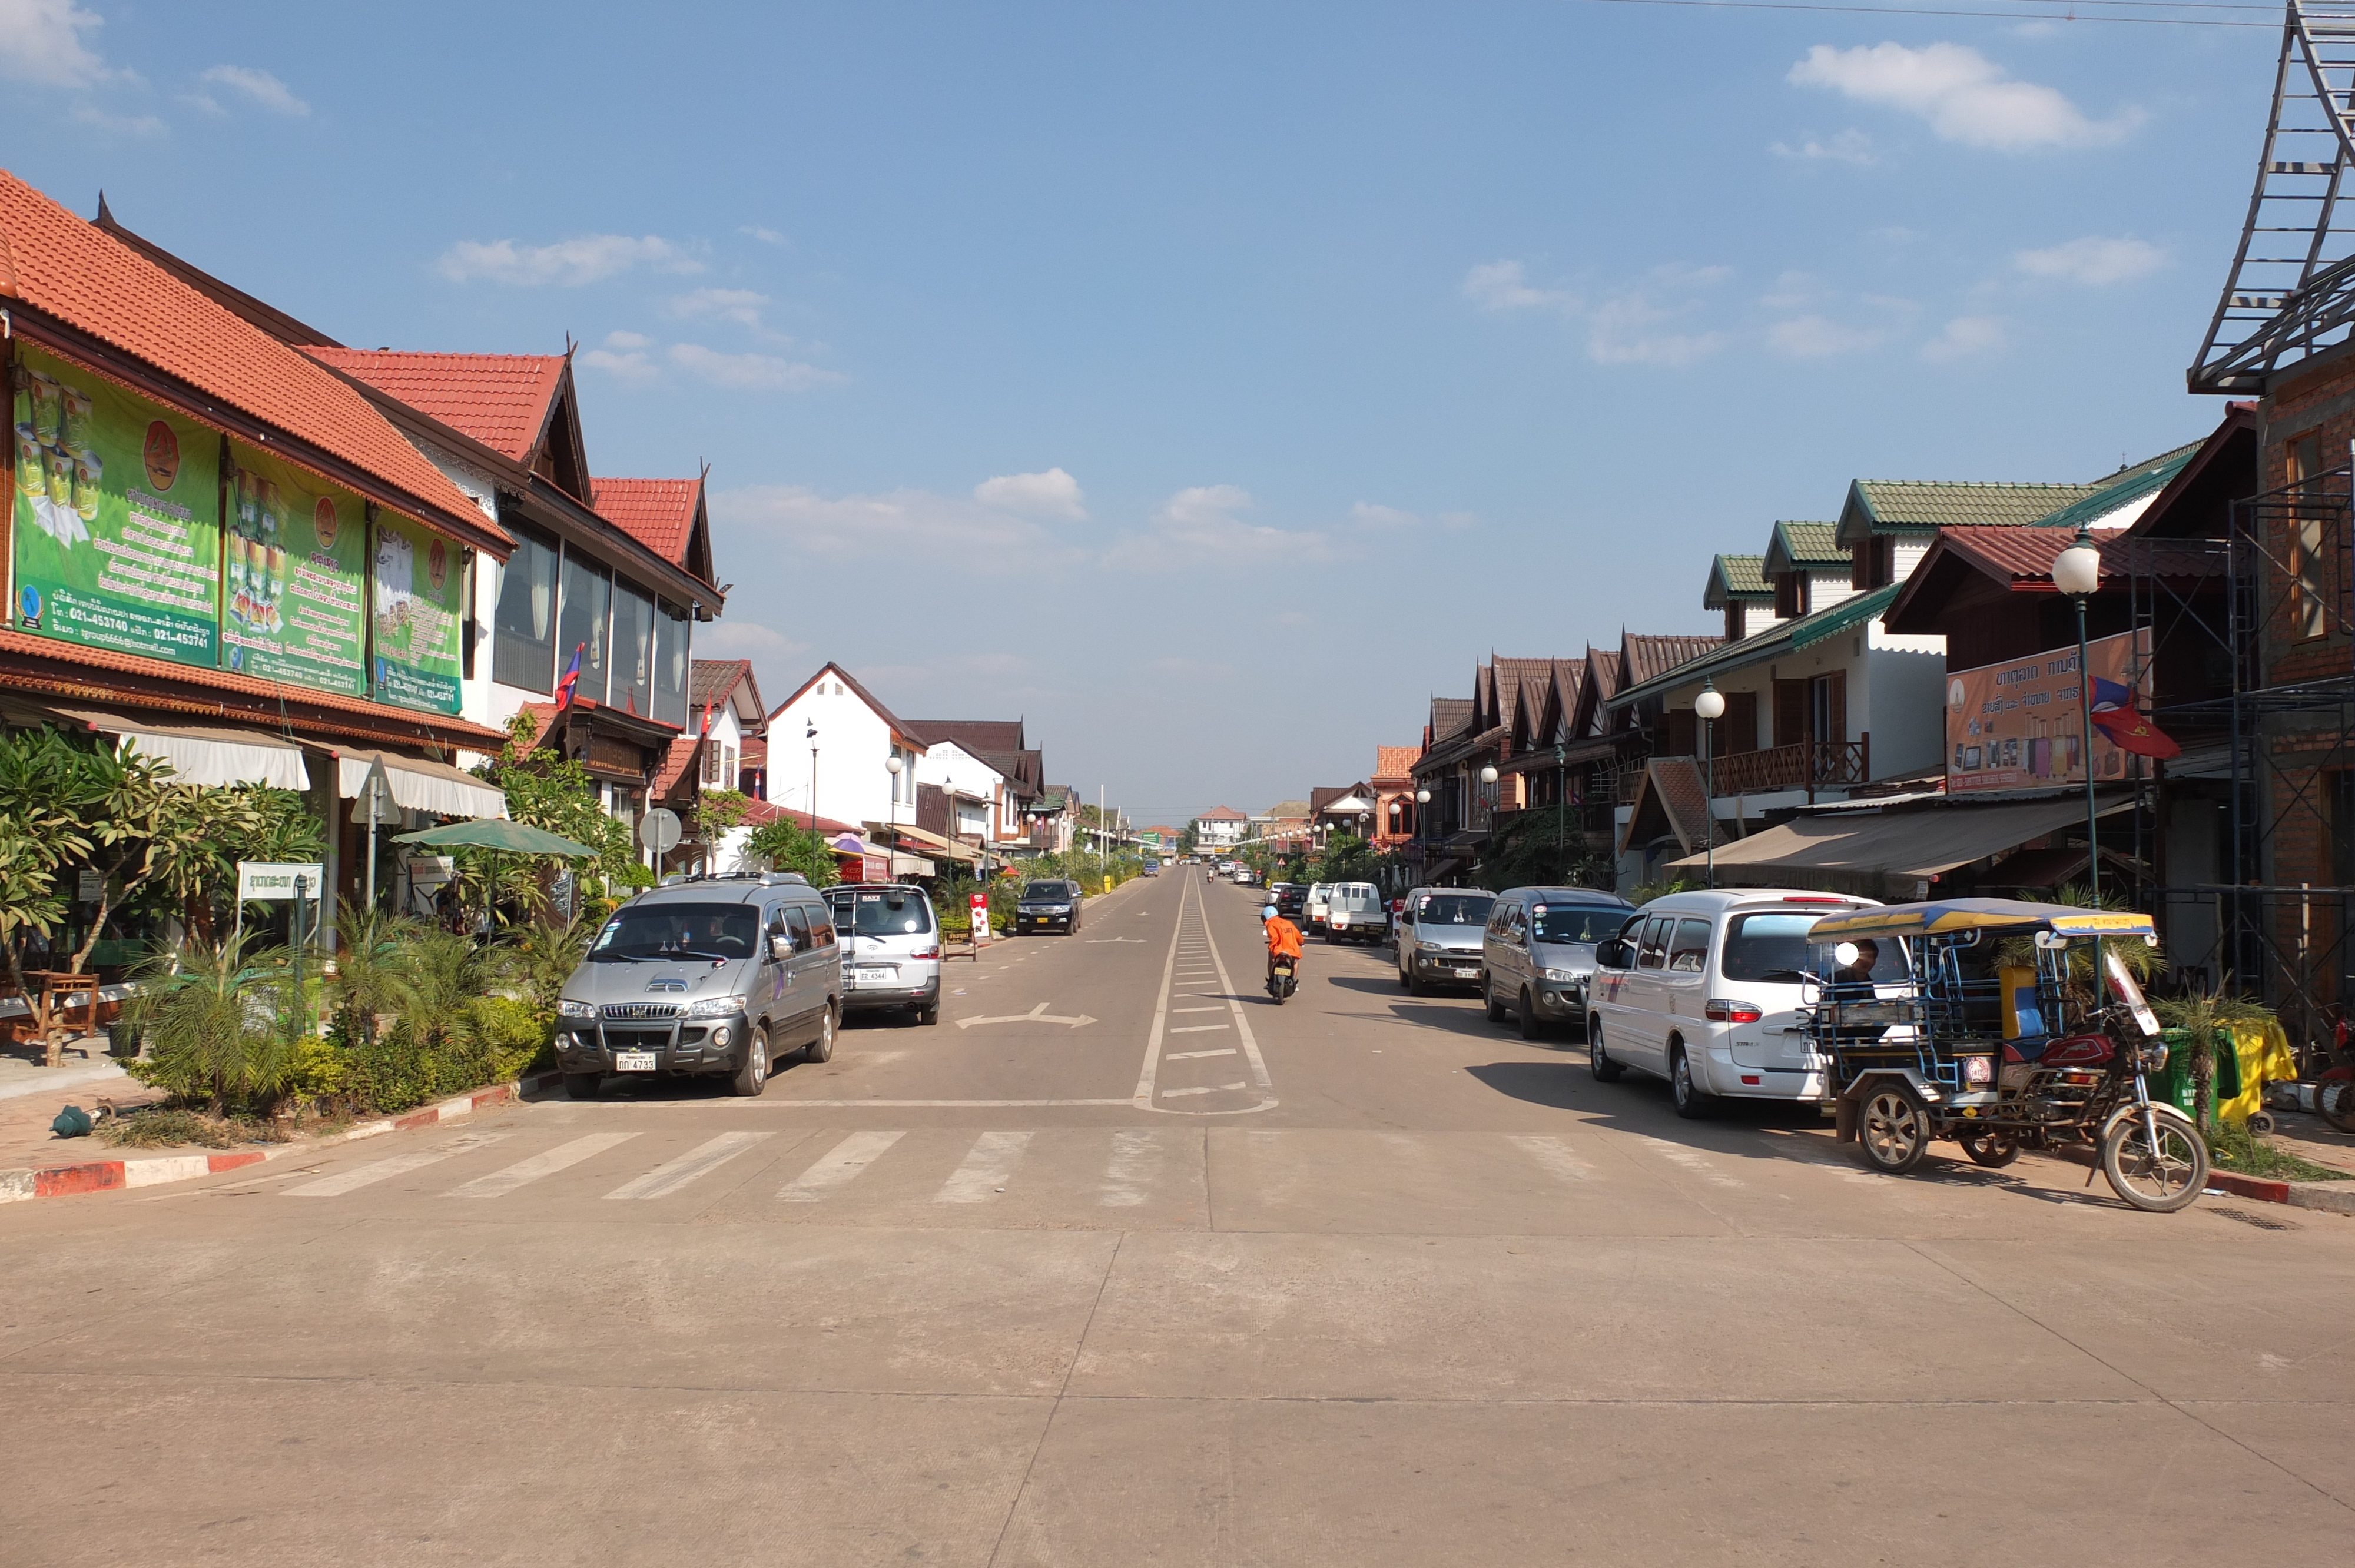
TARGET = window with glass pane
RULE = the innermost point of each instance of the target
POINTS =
(523, 629)
(583, 624)
(633, 648)
(671, 629)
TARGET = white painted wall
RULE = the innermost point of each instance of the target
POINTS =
(853, 742)
(950, 765)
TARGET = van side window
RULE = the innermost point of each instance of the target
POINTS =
(1651, 952)
(797, 928)
(1499, 919)
(821, 919)
(1688, 949)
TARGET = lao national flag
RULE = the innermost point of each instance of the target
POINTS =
(2113, 711)
(571, 679)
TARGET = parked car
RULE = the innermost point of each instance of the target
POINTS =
(1153, 868)
(707, 975)
(1439, 937)
(1539, 952)
(1703, 990)
(891, 941)
(1354, 913)
(1316, 907)
(1049, 905)
(1243, 876)
(1290, 898)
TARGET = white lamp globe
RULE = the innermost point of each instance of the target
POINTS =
(892, 765)
(1489, 773)
(1422, 797)
(1710, 703)
(2077, 570)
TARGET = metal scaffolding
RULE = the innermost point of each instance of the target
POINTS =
(2291, 291)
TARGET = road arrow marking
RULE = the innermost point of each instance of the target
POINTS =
(1037, 1015)
(1174, 1094)
(1099, 941)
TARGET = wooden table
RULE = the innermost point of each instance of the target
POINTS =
(59, 991)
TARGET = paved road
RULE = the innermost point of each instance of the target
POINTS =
(1360, 1280)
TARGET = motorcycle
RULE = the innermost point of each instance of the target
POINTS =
(1283, 978)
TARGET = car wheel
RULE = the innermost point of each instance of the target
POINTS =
(821, 1048)
(1607, 1071)
(1414, 986)
(1993, 1149)
(1406, 981)
(930, 1013)
(1894, 1132)
(1692, 1103)
(1530, 1028)
(582, 1086)
(753, 1076)
(1489, 1001)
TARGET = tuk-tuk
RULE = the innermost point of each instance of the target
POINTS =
(1995, 1053)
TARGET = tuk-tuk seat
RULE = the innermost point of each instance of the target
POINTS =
(2076, 1051)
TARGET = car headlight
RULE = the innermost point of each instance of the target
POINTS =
(1429, 948)
(1978, 1069)
(1563, 975)
(714, 1006)
(568, 1008)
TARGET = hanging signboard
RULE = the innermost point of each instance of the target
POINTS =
(2019, 725)
(297, 558)
(117, 508)
(273, 881)
(419, 582)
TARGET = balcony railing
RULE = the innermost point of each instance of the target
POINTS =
(1810, 765)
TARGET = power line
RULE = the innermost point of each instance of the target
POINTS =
(1930, 11)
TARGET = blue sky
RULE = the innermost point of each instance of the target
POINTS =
(1211, 386)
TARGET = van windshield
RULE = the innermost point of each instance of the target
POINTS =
(715, 931)
(891, 915)
(1454, 908)
(1575, 922)
(1771, 947)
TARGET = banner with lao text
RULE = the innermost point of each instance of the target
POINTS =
(297, 568)
(2019, 724)
(419, 584)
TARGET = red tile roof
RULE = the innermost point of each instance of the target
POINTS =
(77, 273)
(714, 679)
(1395, 762)
(657, 512)
(2025, 555)
(499, 400)
(1223, 814)
(759, 811)
(676, 762)
(1649, 656)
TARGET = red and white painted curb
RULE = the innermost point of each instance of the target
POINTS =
(112, 1175)
(2327, 1197)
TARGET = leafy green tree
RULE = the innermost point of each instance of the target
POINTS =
(1345, 858)
(544, 789)
(1542, 848)
(784, 844)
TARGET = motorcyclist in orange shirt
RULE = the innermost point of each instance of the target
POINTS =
(1282, 940)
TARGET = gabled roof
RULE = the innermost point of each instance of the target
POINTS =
(680, 768)
(976, 736)
(1736, 577)
(1916, 506)
(899, 730)
(711, 682)
(1560, 706)
(2122, 497)
(1804, 547)
(63, 267)
(1223, 814)
(1295, 809)
(666, 515)
(2196, 503)
(1395, 762)
(2020, 559)
(1509, 681)
(1719, 655)
(1649, 657)
(1448, 714)
(502, 401)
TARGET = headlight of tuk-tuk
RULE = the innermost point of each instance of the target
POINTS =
(2152, 1058)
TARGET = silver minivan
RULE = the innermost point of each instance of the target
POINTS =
(1539, 952)
(704, 976)
(890, 948)
(1439, 936)
(1705, 990)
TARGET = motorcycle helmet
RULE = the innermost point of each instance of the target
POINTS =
(1267, 914)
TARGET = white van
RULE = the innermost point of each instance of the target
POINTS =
(1703, 990)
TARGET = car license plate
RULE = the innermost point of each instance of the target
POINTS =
(877, 976)
(634, 1061)
(1467, 974)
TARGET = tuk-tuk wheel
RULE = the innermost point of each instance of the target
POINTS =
(1895, 1131)
(1993, 1149)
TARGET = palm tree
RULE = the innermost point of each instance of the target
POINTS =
(210, 1014)
(370, 978)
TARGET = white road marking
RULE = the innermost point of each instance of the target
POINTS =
(1197, 1010)
(563, 1157)
(703, 1158)
(775, 1102)
(1213, 1089)
(1196, 1055)
(1200, 1028)
(399, 1165)
(837, 1166)
(1136, 1163)
(1555, 1156)
(987, 1166)
(1037, 1015)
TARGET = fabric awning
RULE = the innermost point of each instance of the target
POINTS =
(932, 842)
(421, 786)
(1901, 844)
(906, 864)
(201, 754)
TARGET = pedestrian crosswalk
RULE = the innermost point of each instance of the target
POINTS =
(946, 1172)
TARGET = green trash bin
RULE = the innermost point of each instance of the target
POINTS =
(2173, 1082)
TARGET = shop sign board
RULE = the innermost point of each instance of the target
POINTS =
(2019, 724)
(419, 582)
(297, 552)
(117, 516)
(273, 881)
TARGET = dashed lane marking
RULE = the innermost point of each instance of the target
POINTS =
(1196, 1055)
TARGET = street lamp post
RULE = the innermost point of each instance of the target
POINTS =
(811, 736)
(1711, 706)
(1561, 812)
(1422, 833)
(2077, 572)
(893, 766)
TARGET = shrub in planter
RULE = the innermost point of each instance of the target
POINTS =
(209, 1016)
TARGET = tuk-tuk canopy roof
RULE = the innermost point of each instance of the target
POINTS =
(1958, 915)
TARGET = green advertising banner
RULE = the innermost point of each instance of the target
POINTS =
(297, 564)
(117, 516)
(420, 585)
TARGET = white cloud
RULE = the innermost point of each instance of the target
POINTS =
(569, 262)
(624, 357)
(121, 124)
(1504, 286)
(619, 339)
(1850, 146)
(765, 236)
(1367, 515)
(1965, 337)
(1963, 95)
(1622, 335)
(41, 41)
(1198, 528)
(1819, 337)
(1053, 493)
(739, 639)
(258, 85)
(2093, 260)
(919, 522)
(740, 305)
(750, 372)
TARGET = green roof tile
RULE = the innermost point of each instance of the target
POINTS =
(1736, 576)
(1804, 546)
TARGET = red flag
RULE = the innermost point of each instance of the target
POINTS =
(2113, 711)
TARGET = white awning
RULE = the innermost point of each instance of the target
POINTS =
(906, 864)
(421, 786)
(201, 754)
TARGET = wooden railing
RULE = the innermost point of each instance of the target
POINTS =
(1811, 765)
